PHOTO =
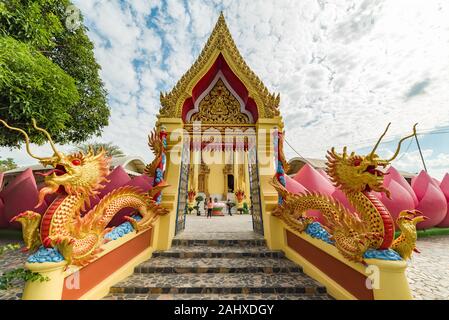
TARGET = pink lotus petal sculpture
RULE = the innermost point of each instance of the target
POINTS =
(293, 186)
(432, 202)
(393, 174)
(313, 181)
(27, 174)
(400, 199)
(421, 181)
(444, 186)
(3, 223)
(323, 173)
(19, 198)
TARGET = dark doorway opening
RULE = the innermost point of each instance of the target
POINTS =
(230, 183)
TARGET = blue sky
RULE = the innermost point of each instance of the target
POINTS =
(344, 68)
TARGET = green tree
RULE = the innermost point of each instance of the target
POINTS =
(48, 72)
(111, 149)
(7, 164)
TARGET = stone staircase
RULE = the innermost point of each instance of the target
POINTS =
(218, 269)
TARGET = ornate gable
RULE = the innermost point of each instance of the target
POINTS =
(220, 106)
(219, 44)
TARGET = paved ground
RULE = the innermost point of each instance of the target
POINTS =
(428, 272)
(8, 261)
(229, 224)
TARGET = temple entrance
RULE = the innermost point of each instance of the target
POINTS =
(225, 116)
(219, 167)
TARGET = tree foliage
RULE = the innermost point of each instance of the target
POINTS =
(49, 73)
(7, 164)
(111, 149)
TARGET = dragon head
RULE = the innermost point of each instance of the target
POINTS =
(356, 173)
(76, 173)
(410, 217)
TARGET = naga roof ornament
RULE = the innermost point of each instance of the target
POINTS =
(219, 42)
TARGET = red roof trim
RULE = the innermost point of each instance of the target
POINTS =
(237, 85)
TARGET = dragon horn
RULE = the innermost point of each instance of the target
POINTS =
(27, 140)
(402, 140)
(52, 144)
(345, 153)
(371, 155)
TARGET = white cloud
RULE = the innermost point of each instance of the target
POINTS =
(343, 68)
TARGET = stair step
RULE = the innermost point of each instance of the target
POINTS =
(274, 296)
(219, 283)
(217, 265)
(202, 251)
(219, 242)
(243, 235)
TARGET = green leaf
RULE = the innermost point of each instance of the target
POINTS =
(48, 73)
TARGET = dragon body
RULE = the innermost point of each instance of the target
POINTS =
(372, 226)
(76, 178)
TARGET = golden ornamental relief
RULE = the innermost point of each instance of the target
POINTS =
(220, 106)
(220, 40)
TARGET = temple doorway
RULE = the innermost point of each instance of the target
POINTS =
(222, 171)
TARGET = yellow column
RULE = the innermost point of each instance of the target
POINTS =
(246, 179)
(235, 168)
(273, 229)
(167, 223)
(196, 165)
(47, 290)
(389, 280)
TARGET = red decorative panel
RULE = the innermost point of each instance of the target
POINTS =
(350, 279)
(94, 273)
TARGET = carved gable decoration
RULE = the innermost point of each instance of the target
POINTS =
(219, 42)
(220, 106)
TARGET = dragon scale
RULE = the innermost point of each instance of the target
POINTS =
(376, 215)
(76, 178)
(372, 226)
(62, 220)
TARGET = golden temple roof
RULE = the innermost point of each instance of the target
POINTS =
(219, 42)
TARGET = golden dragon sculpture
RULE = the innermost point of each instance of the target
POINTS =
(156, 146)
(372, 227)
(76, 178)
